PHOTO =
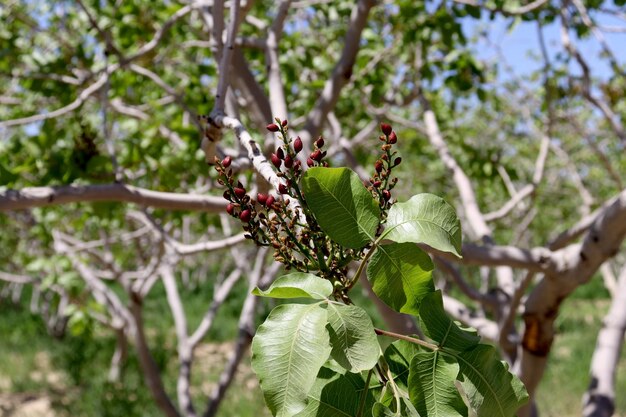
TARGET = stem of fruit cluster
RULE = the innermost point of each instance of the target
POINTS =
(406, 338)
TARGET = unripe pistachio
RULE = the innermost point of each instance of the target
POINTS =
(386, 195)
(397, 161)
(288, 161)
(227, 161)
(261, 198)
(319, 142)
(393, 138)
(316, 155)
(377, 184)
(240, 192)
(284, 122)
(310, 162)
(275, 160)
(270, 201)
(282, 188)
(280, 153)
(230, 208)
(272, 127)
(245, 215)
(378, 166)
(297, 144)
(386, 128)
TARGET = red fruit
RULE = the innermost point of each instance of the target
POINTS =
(240, 192)
(282, 188)
(310, 162)
(316, 155)
(378, 165)
(275, 160)
(297, 144)
(226, 162)
(319, 142)
(230, 209)
(393, 138)
(280, 153)
(261, 198)
(377, 184)
(386, 195)
(272, 127)
(245, 215)
(284, 123)
(386, 128)
(270, 201)
(397, 161)
(288, 161)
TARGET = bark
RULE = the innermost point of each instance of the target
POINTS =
(599, 400)
(575, 265)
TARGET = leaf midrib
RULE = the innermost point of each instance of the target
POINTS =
(356, 220)
(296, 332)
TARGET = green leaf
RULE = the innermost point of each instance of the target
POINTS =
(491, 389)
(439, 327)
(342, 206)
(288, 350)
(401, 276)
(352, 337)
(398, 356)
(428, 219)
(406, 409)
(431, 385)
(298, 285)
(381, 410)
(334, 394)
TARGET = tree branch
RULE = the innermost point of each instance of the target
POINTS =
(341, 73)
(48, 196)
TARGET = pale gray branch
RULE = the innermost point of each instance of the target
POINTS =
(48, 196)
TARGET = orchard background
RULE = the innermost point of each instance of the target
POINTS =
(126, 288)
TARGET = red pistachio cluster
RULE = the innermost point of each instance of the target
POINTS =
(381, 181)
(297, 240)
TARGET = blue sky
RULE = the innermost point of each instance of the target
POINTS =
(519, 43)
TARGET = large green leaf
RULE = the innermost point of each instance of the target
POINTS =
(288, 350)
(431, 385)
(491, 389)
(428, 219)
(342, 206)
(438, 326)
(401, 275)
(336, 395)
(352, 337)
(298, 285)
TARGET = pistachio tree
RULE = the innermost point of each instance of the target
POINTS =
(112, 114)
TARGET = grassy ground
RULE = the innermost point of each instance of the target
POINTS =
(69, 376)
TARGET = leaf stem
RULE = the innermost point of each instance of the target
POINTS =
(406, 338)
(359, 412)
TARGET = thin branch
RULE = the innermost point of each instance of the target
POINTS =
(275, 82)
(225, 62)
(341, 73)
(532, 6)
(82, 97)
